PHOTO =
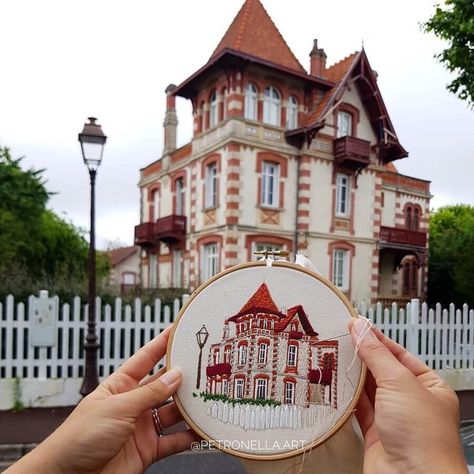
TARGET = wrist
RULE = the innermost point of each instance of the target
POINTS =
(40, 460)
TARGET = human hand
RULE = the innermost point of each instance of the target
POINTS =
(111, 430)
(408, 415)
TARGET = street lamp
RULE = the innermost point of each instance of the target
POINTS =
(92, 140)
(201, 337)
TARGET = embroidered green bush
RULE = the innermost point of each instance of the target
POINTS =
(234, 401)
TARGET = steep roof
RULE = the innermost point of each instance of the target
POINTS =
(298, 311)
(119, 255)
(261, 301)
(253, 32)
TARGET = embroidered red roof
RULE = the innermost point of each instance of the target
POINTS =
(253, 32)
(296, 310)
(261, 301)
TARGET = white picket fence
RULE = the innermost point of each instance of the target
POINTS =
(442, 338)
(122, 329)
(49, 376)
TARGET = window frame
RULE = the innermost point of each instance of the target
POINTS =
(180, 196)
(343, 208)
(349, 116)
(292, 113)
(292, 356)
(213, 109)
(261, 383)
(251, 102)
(292, 399)
(271, 106)
(210, 185)
(239, 384)
(177, 269)
(270, 197)
(340, 275)
(152, 270)
(209, 261)
(242, 350)
(156, 204)
(262, 350)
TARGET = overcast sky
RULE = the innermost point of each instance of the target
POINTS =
(62, 61)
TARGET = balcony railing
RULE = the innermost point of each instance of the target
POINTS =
(392, 235)
(352, 151)
(167, 229)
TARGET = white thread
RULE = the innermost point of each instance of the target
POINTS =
(365, 330)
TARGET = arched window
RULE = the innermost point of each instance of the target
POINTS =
(344, 124)
(213, 110)
(251, 102)
(271, 106)
(416, 219)
(408, 218)
(292, 113)
(156, 205)
(410, 278)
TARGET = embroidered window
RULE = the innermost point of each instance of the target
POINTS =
(251, 102)
(262, 353)
(156, 205)
(213, 110)
(270, 184)
(210, 185)
(342, 195)
(344, 124)
(340, 269)
(271, 106)
(239, 388)
(179, 197)
(292, 113)
(242, 354)
(209, 261)
(289, 392)
(292, 355)
(261, 389)
(227, 355)
(177, 274)
(225, 386)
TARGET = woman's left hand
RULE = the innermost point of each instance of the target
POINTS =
(112, 429)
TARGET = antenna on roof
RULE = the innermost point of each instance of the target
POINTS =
(362, 44)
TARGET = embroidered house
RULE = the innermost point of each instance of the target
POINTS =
(272, 353)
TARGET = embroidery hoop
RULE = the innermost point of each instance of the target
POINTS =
(280, 455)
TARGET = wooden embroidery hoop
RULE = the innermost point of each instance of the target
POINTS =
(316, 442)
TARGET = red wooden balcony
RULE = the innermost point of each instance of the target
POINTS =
(352, 152)
(218, 369)
(392, 235)
(168, 229)
(321, 376)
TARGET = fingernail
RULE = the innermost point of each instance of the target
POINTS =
(170, 377)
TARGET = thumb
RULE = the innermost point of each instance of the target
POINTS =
(153, 393)
(383, 365)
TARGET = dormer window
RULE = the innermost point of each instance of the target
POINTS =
(271, 106)
(213, 110)
(292, 113)
(344, 124)
(251, 102)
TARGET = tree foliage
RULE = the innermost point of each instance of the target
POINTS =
(38, 249)
(455, 24)
(451, 263)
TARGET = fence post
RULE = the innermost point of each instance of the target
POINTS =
(413, 322)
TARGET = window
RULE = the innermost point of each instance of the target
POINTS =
(410, 278)
(416, 219)
(210, 185)
(216, 356)
(128, 278)
(251, 102)
(242, 354)
(292, 355)
(271, 106)
(340, 270)
(177, 262)
(179, 197)
(209, 261)
(225, 386)
(239, 388)
(408, 218)
(213, 110)
(152, 271)
(292, 113)
(270, 184)
(342, 195)
(261, 247)
(156, 205)
(224, 103)
(261, 389)
(289, 392)
(227, 355)
(262, 353)
(344, 124)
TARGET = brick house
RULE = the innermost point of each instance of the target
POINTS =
(283, 158)
(273, 353)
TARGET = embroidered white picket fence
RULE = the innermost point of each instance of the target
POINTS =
(122, 329)
(442, 338)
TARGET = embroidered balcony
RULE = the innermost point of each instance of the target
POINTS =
(320, 376)
(144, 234)
(218, 369)
(394, 237)
(169, 229)
(352, 152)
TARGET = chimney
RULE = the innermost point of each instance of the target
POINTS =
(318, 60)
(171, 120)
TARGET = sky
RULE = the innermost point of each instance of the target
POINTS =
(65, 61)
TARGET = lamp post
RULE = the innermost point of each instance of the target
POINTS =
(92, 140)
(201, 337)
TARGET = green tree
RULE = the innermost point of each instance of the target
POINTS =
(451, 263)
(455, 24)
(38, 249)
